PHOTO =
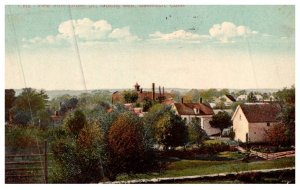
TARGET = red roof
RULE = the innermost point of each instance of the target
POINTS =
(259, 113)
(190, 108)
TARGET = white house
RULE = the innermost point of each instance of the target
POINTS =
(242, 97)
(187, 111)
(259, 97)
(251, 121)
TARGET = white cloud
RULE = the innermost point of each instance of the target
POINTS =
(226, 31)
(179, 35)
(85, 30)
(123, 34)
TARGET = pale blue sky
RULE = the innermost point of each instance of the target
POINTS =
(186, 47)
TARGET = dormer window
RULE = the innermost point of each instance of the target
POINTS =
(196, 110)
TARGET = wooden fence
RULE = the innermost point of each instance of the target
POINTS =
(273, 156)
(27, 168)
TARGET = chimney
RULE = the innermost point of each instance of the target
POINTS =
(163, 91)
(153, 91)
(182, 100)
(141, 91)
(200, 100)
(159, 89)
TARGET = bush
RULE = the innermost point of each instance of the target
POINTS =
(75, 122)
(214, 147)
(19, 139)
(79, 159)
(128, 147)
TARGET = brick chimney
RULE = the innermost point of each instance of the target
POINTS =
(159, 89)
(182, 100)
(153, 91)
(163, 91)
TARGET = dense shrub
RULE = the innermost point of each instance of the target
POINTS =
(78, 159)
(129, 147)
(214, 147)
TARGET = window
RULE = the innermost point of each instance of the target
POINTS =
(268, 124)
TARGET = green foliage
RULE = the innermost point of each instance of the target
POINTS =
(286, 95)
(9, 101)
(196, 133)
(176, 95)
(75, 122)
(20, 139)
(192, 95)
(27, 105)
(209, 94)
(251, 97)
(31, 100)
(130, 96)
(166, 127)
(170, 130)
(287, 115)
(221, 120)
(79, 159)
(21, 117)
(128, 146)
(215, 147)
(235, 105)
(147, 104)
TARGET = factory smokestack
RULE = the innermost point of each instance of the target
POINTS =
(153, 91)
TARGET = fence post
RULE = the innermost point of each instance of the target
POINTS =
(46, 162)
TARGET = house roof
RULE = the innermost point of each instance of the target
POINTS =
(188, 109)
(230, 97)
(258, 113)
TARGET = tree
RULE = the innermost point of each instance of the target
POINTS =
(130, 96)
(9, 101)
(30, 102)
(75, 122)
(221, 120)
(78, 160)
(241, 92)
(196, 133)
(170, 130)
(71, 103)
(208, 95)
(193, 95)
(287, 114)
(251, 97)
(129, 147)
(278, 135)
(147, 103)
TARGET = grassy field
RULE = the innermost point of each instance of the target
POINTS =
(200, 167)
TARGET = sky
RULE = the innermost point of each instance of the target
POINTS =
(100, 47)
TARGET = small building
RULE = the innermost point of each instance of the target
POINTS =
(252, 120)
(117, 97)
(259, 97)
(242, 98)
(204, 112)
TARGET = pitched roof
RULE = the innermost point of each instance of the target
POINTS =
(230, 97)
(188, 109)
(257, 113)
